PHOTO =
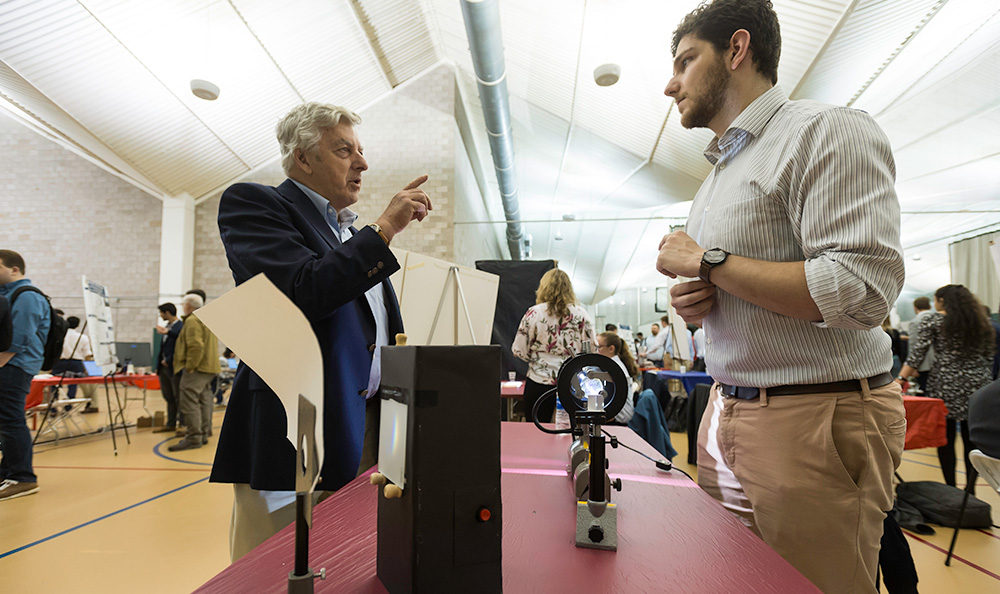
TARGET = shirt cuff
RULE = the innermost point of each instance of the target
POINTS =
(836, 292)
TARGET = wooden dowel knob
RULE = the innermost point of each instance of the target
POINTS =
(377, 478)
(400, 339)
(392, 492)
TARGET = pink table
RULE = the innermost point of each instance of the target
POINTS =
(672, 536)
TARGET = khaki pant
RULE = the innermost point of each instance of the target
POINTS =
(252, 523)
(810, 474)
(196, 404)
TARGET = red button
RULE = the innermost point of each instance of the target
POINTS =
(484, 514)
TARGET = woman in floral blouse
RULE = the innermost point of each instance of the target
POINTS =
(550, 332)
(963, 357)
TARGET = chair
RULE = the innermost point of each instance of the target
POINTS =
(989, 468)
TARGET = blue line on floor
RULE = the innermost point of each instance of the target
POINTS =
(156, 450)
(104, 517)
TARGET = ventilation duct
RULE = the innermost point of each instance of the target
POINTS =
(482, 25)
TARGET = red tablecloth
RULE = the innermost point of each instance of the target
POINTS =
(672, 537)
(148, 381)
(924, 422)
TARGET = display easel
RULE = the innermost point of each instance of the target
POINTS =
(459, 297)
(465, 300)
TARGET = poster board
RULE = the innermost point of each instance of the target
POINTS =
(100, 327)
(280, 347)
(443, 303)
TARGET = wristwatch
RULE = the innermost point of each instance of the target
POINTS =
(709, 260)
(378, 229)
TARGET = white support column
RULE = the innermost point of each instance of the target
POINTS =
(176, 247)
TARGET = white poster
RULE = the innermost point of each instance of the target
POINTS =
(100, 328)
(280, 347)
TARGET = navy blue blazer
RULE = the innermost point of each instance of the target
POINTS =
(279, 231)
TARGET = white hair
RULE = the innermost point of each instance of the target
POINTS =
(302, 128)
(193, 300)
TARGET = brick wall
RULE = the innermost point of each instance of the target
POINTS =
(67, 218)
(408, 133)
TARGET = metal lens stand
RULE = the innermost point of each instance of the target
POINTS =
(300, 581)
(593, 389)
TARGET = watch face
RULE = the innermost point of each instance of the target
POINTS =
(714, 256)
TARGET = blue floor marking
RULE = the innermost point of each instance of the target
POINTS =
(114, 513)
(156, 450)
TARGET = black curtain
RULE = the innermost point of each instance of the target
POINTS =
(518, 283)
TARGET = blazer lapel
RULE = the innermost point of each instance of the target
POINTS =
(293, 194)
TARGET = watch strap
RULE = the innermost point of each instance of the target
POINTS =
(378, 229)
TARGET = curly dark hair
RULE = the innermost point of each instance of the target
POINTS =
(716, 22)
(966, 322)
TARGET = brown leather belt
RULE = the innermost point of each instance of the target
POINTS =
(743, 393)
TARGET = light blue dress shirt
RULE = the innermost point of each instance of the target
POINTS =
(340, 223)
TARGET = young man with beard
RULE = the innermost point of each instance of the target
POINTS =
(795, 238)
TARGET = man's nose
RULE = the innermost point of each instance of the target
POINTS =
(672, 87)
(361, 164)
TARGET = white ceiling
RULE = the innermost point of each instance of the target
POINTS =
(110, 79)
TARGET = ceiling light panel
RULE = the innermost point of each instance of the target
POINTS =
(957, 35)
(868, 38)
(402, 35)
(323, 52)
(27, 102)
(198, 39)
(629, 33)
(85, 70)
(968, 94)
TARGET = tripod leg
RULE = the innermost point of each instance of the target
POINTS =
(121, 413)
(111, 418)
(41, 427)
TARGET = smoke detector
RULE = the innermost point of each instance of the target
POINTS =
(608, 74)
(203, 89)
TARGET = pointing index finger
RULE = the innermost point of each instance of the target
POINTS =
(416, 183)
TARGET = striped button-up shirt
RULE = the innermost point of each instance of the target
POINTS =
(801, 181)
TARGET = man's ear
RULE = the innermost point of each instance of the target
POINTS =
(739, 48)
(302, 161)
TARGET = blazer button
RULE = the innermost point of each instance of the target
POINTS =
(371, 348)
(363, 393)
(369, 274)
(381, 266)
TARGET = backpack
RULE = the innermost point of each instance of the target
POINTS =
(57, 328)
(939, 504)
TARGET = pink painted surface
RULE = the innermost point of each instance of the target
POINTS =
(512, 390)
(672, 537)
(925, 422)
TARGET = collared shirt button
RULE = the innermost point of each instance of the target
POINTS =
(722, 166)
(708, 341)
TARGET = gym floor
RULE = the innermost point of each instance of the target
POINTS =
(147, 520)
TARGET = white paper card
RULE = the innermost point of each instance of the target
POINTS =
(995, 252)
(392, 441)
(280, 347)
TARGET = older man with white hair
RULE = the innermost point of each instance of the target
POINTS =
(302, 236)
(197, 355)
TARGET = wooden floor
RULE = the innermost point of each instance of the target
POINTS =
(147, 520)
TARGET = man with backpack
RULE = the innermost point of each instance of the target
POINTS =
(30, 314)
